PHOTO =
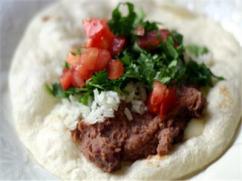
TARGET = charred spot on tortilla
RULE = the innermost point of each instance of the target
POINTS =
(226, 97)
(46, 18)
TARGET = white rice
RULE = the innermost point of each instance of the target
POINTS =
(138, 106)
(136, 95)
(134, 91)
(128, 114)
(104, 105)
(70, 111)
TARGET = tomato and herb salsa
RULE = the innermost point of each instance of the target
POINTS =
(129, 49)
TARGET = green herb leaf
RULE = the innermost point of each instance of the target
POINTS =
(56, 90)
(148, 65)
(149, 26)
(196, 50)
(200, 74)
(99, 80)
(124, 25)
(86, 98)
(177, 37)
(66, 65)
(169, 48)
(121, 24)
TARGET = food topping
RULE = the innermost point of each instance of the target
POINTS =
(139, 84)
(115, 69)
(130, 136)
(162, 99)
(153, 39)
(118, 45)
(98, 33)
(127, 49)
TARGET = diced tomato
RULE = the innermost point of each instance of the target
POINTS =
(168, 102)
(73, 58)
(156, 96)
(99, 33)
(153, 39)
(94, 27)
(89, 58)
(103, 58)
(118, 45)
(99, 42)
(164, 33)
(115, 69)
(82, 71)
(162, 99)
(77, 79)
(66, 79)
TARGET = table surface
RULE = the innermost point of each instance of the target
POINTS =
(15, 163)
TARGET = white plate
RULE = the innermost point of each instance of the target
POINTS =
(15, 163)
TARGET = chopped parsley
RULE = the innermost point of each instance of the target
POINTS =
(120, 24)
(165, 63)
(66, 65)
(196, 50)
(124, 25)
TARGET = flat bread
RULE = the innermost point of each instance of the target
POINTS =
(42, 122)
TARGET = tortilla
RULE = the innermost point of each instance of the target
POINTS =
(42, 122)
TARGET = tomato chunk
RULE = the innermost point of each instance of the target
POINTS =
(118, 45)
(100, 42)
(168, 103)
(94, 27)
(89, 58)
(115, 69)
(156, 96)
(99, 33)
(82, 72)
(73, 58)
(153, 39)
(77, 79)
(95, 59)
(162, 99)
(102, 60)
(66, 79)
